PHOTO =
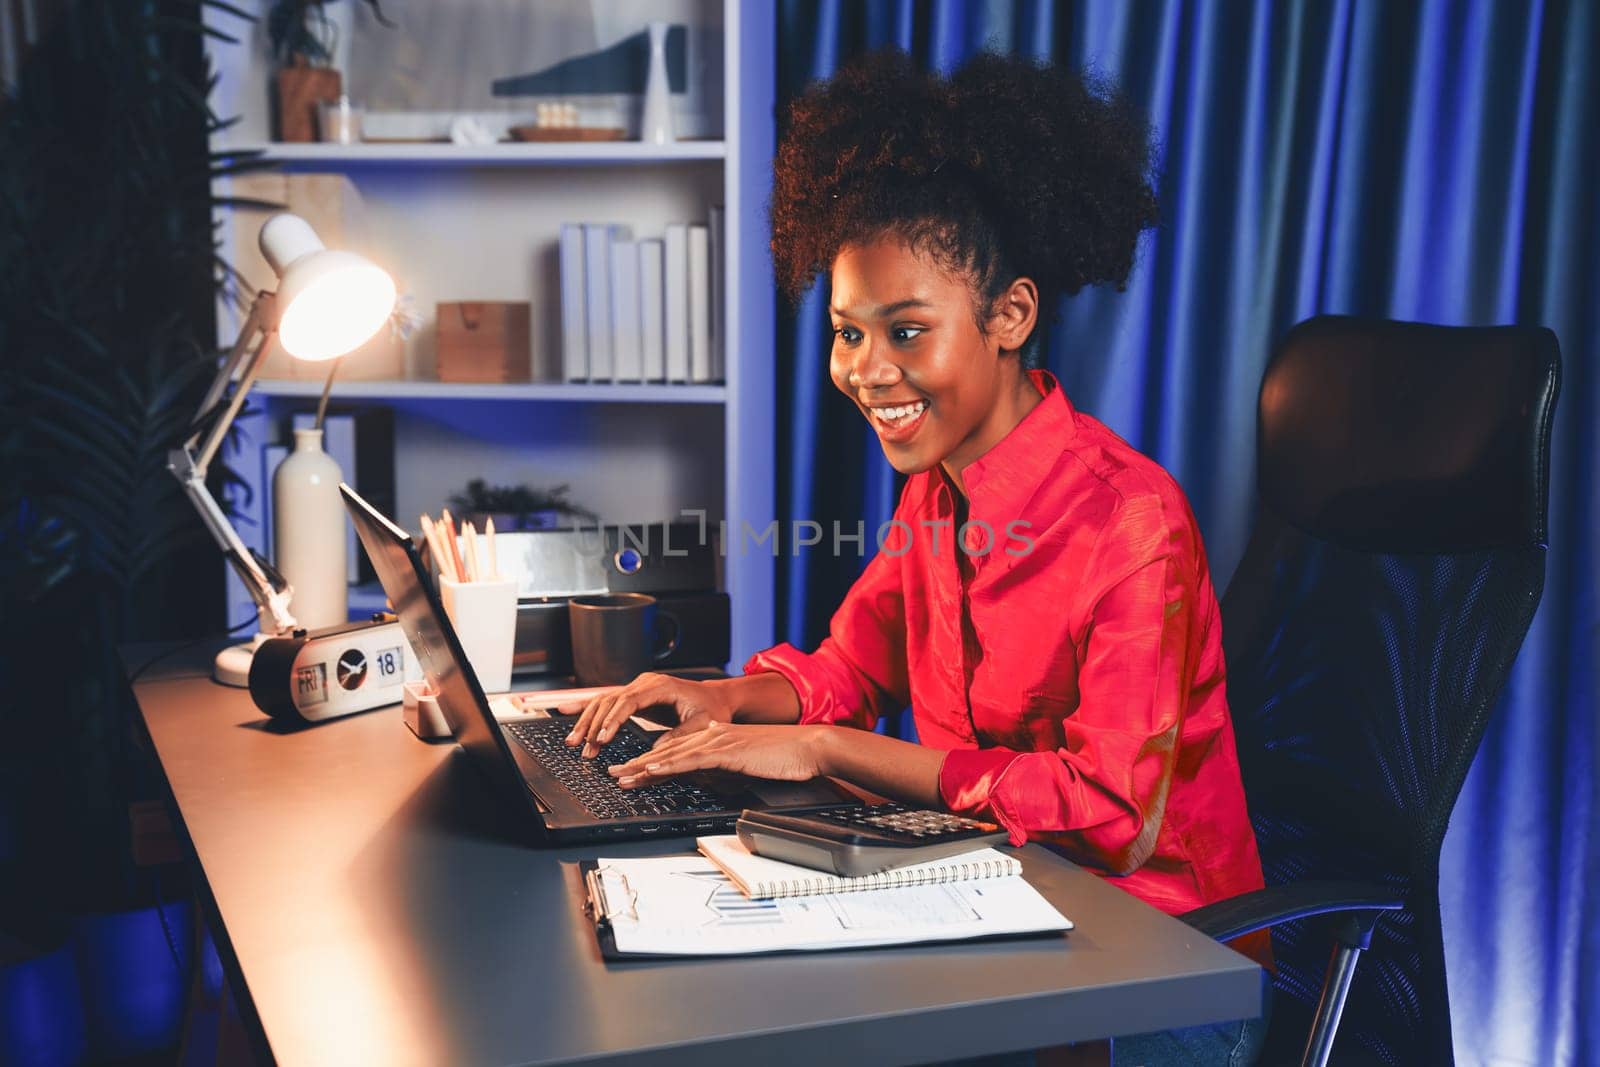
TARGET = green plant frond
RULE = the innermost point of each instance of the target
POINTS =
(81, 382)
(250, 203)
(180, 86)
(175, 536)
(101, 479)
(38, 553)
(175, 24)
(219, 35)
(226, 8)
(219, 154)
(84, 437)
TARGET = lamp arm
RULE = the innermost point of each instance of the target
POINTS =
(263, 319)
(190, 463)
(270, 592)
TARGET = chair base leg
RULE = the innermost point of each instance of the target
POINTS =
(1341, 969)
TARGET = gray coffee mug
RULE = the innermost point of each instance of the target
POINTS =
(616, 637)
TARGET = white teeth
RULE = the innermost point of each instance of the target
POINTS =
(902, 413)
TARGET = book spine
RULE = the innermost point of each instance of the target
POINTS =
(675, 300)
(628, 360)
(597, 238)
(717, 235)
(652, 320)
(699, 304)
(574, 316)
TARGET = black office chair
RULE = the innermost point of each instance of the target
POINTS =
(1396, 562)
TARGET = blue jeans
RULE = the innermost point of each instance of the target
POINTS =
(1235, 1044)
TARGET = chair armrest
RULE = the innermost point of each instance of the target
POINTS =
(1261, 908)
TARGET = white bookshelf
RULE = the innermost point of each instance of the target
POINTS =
(547, 392)
(615, 153)
(481, 223)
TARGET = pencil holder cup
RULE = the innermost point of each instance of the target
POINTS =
(484, 615)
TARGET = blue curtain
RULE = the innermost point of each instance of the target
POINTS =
(1435, 161)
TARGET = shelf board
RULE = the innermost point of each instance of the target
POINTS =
(518, 154)
(565, 392)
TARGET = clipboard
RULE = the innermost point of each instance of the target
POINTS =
(671, 925)
(598, 908)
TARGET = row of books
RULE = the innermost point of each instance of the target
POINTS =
(642, 309)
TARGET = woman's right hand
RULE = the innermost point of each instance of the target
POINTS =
(697, 704)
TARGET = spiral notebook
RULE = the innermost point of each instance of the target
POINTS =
(683, 905)
(764, 878)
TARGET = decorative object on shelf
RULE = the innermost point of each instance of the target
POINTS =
(339, 121)
(303, 39)
(650, 64)
(327, 303)
(484, 341)
(308, 530)
(464, 129)
(519, 507)
(655, 119)
(302, 88)
(558, 113)
(620, 68)
(552, 134)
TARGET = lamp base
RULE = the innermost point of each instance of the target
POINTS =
(232, 665)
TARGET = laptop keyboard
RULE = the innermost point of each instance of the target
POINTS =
(588, 780)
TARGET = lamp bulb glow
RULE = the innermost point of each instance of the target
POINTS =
(329, 302)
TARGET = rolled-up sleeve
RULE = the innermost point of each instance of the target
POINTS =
(858, 672)
(1102, 794)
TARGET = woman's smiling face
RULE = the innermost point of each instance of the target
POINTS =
(907, 350)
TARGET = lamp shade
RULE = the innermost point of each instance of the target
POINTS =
(329, 302)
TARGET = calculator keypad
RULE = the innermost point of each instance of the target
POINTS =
(900, 820)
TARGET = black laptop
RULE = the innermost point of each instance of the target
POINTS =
(563, 797)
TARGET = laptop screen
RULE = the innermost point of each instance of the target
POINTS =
(460, 697)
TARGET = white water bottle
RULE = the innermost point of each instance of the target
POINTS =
(308, 530)
(655, 121)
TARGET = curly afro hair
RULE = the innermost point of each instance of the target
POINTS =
(1006, 169)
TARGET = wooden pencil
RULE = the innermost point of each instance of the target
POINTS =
(454, 546)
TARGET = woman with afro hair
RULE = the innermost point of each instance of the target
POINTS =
(1041, 600)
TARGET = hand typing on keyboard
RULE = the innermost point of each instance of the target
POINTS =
(785, 753)
(695, 703)
(588, 780)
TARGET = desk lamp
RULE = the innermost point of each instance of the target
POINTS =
(327, 303)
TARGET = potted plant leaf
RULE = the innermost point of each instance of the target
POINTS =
(108, 286)
(303, 41)
(517, 507)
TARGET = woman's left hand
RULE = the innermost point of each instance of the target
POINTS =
(788, 753)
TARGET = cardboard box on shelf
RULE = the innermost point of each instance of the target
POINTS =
(484, 341)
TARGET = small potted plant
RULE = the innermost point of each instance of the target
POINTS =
(303, 40)
(517, 507)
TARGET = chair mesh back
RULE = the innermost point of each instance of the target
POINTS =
(1369, 630)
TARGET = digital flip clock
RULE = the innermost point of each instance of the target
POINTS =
(313, 675)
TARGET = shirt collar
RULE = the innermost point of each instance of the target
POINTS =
(1002, 480)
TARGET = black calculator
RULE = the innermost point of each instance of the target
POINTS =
(865, 840)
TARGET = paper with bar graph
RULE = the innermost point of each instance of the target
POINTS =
(685, 906)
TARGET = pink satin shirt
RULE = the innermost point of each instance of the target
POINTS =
(1064, 648)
